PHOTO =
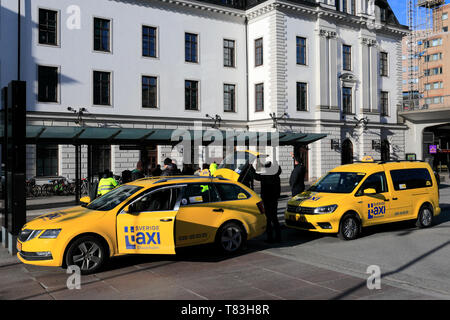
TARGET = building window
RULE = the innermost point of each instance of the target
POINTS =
(258, 52)
(229, 98)
(353, 7)
(191, 47)
(46, 160)
(149, 92)
(228, 53)
(102, 159)
(347, 57)
(191, 95)
(301, 50)
(384, 64)
(433, 43)
(384, 103)
(149, 41)
(47, 84)
(302, 94)
(433, 71)
(445, 16)
(383, 14)
(445, 29)
(102, 88)
(48, 27)
(347, 100)
(102, 35)
(259, 97)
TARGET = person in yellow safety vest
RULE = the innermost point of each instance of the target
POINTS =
(213, 168)
(106, 184)
(205, 172)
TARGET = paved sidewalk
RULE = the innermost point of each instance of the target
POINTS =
(195, 275)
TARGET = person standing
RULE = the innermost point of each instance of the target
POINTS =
(270, 192)
(297, 178)
(169, 168)
(157, 171)
(107, 183)
(138, 172)
(213, 168)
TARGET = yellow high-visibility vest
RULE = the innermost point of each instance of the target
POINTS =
(106, 185)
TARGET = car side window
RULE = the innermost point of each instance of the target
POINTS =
(376, 181)
(161, 200)
(196, 193)
(229, 192)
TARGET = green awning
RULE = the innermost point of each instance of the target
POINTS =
(128, 136)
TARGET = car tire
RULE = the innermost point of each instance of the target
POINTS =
(230, 238)
(88, 253)
(349, 227)
(425, 217)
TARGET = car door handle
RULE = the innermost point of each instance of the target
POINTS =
(394, 198)
(386, 200)
(218, 210)
(165, 220)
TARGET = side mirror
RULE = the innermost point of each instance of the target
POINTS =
(131, 208)
(85, 200)
(370, 191)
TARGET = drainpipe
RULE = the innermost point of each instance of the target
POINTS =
(18, 37)
(246, 69)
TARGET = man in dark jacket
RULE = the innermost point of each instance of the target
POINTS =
(270, 192)
(297, 179)
(170, 169)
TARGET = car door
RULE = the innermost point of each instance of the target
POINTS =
(149, 226)
(374, 208)
(198, 216)
(402, 193)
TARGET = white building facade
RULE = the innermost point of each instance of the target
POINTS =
(319, 67)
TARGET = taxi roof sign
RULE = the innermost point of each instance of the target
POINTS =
(368, 159)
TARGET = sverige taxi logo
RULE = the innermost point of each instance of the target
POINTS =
(142, 237)
(376, 210)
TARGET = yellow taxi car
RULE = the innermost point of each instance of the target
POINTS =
(146, 216)
(364, 194)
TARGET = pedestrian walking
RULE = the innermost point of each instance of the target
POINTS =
(297, 178)
(107, 183)
(213, 168)
(270, 192)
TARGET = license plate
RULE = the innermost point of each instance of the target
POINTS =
(19, 246)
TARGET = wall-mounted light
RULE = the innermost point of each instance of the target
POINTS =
(216, 119)
(275, 118)
(80, 112)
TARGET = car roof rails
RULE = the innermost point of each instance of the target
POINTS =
(169, 178)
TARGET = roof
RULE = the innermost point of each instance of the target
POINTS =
(128, 136)
(145, 182)
(370, 167)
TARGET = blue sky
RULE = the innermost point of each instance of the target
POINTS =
(399, 7)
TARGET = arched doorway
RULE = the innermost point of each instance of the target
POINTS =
(385, 151)
(347, 152)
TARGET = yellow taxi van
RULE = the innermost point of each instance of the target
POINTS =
(351, 197)
(146, 216)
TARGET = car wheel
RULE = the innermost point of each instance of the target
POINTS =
(425, 217)
(349, 228)
(230, 238)
(88, 253)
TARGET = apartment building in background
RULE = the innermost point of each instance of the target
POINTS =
(319, 67)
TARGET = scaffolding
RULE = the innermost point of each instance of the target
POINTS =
(424, 21)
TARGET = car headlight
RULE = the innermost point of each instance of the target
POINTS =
(27, 234)
(50, 234)
(326, 209)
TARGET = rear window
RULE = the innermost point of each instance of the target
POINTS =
(228, 191)
(405, 179)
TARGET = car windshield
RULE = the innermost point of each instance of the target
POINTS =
(338, 182)
(236, 161)
(113, 198)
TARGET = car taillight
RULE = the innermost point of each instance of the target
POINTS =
(260, 206)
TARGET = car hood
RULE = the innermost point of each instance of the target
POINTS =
(317, 199)
(60, 218)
